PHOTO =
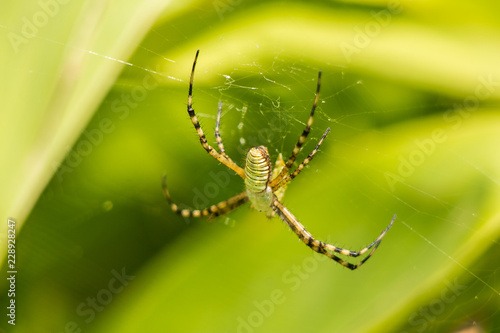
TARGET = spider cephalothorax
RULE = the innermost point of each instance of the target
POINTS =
(265, 187)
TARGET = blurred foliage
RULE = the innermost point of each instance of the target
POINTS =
(94, 97)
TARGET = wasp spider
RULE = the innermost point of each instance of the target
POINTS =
(265, 187)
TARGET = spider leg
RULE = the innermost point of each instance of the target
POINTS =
(222, 157)
(213, 211)
(375, 243)
(321, 247)
(218, 137)
(302, 138)
(308, 159)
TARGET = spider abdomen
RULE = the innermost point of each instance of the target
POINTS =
(257, 176)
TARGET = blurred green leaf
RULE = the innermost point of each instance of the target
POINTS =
(57, 66)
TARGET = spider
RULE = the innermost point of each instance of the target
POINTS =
(265, 187)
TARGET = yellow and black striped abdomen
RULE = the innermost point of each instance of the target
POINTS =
(257, 176)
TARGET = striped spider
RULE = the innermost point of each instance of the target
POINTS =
(265, 187)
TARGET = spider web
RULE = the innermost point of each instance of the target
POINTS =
(374, 163)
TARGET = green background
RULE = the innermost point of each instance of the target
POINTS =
(94, 113)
